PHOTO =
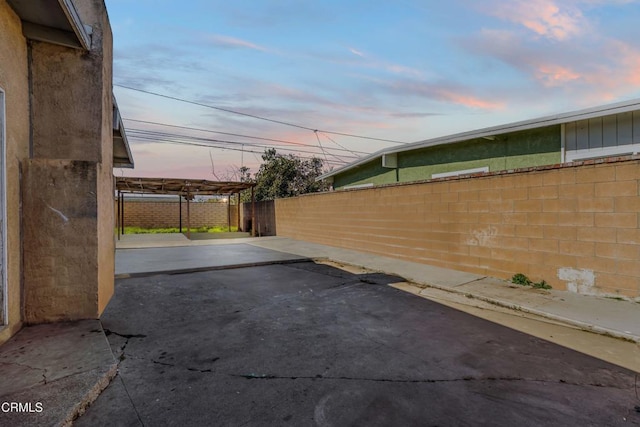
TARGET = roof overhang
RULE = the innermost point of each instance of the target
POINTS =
(183, 187)
(52, 21)
(491, 132)
(122, 157)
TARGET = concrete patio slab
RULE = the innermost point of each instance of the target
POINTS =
(148, 261)
(56, 369)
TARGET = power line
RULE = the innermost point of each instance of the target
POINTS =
(211, 143)
(241, 135)
(150, 135)
(339, 145)
(228, 148)
(253, 116)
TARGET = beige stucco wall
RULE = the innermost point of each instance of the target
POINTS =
(577, 227)
(59, 166)
(14, 81)
(60, 240)
(105, 189)
(68, 185)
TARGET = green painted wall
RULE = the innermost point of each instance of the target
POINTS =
(371, 172)
(535, 147)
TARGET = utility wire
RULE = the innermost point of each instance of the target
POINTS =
(213, 143)
(227, 148)
(151, 135)
(253, 116)
(320, 144)
(339, 145)
(356, 153)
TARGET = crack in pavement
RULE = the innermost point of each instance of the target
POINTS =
(127, 337)
(419, 381)
(173, 365)
(108, 332)
(121, 358)
(44, 370)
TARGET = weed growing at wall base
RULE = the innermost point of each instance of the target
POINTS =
(521, 279)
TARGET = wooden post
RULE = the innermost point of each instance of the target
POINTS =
(229, 213)
(118, 216)
(238, 208)
(188, 217)
(122, 212)
(180, 208)
(253, 212)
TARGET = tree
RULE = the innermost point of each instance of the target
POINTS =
(285, 176)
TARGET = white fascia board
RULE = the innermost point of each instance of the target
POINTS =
(604, 110)
(79, 28)
(589, 113)
(360, 161)
(120, 137)
(594, 153)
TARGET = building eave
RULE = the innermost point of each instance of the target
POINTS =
(52, 21)
(122, 157)
(557, 119)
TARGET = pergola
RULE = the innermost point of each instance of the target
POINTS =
(187, 188)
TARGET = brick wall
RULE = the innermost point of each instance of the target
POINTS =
(167, 214)
(575, 226)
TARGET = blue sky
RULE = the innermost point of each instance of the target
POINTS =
(396, 70)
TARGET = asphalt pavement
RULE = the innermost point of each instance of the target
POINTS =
(309, 344)
(250, 332)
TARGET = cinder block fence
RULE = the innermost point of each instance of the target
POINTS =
(575, 226)
(160, 214)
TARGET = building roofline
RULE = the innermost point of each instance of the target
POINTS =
(53, 21)
(122, 157)
(588, 113)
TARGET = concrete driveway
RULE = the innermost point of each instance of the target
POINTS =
(308, 344)
(144, 261)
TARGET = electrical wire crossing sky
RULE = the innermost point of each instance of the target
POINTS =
(205, 87)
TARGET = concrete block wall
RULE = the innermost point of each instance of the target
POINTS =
(167, 214)
(576, 226)
(60, 240)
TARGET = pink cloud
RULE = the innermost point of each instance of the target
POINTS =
(232, 42)
(597, 70)
(470, 101)
(556, 75)
(544, 17)
(630, 62)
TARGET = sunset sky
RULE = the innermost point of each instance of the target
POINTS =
(401, 71)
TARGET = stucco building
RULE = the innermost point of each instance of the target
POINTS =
(60, 137)
(603, 131)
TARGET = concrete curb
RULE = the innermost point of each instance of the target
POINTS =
(91, 395)
(211, 268)
(572, 322)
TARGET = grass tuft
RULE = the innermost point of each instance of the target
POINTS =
(140, 230)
